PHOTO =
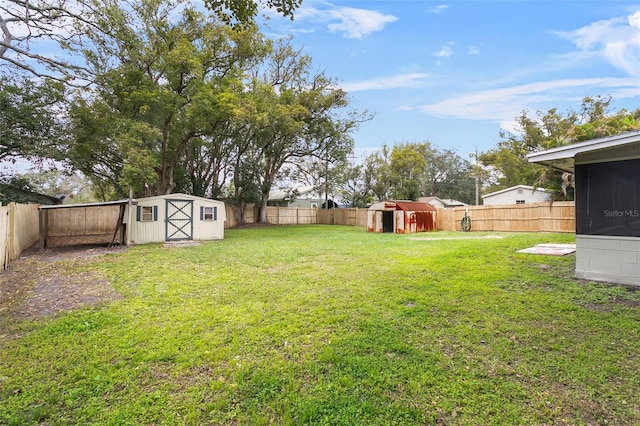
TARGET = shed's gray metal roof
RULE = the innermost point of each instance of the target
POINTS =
(563, 157)
(104, 203)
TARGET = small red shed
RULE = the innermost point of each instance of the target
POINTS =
(401, 217)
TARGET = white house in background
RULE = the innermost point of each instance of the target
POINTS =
(519, 194)
(300, 196)
(607, 188)
(176, 217)
(441, 203)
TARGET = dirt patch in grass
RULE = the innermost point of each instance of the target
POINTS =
(38, 284)
(178, 244)
(461, 237)
(253, 225)
(612, 302)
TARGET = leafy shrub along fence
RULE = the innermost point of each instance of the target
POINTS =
(18, 230)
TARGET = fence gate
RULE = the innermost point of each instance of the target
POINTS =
(179, 222)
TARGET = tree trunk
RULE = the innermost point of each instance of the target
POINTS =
(262, 217)
(242, 217)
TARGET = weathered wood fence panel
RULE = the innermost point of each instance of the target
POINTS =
(538, 217)
(18, 230)
(250, 215)
(326, 216)
(343, 216)
(69, 222)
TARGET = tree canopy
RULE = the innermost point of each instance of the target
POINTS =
(24, 24)
(30, 118)
(408, 171)
(544, 130)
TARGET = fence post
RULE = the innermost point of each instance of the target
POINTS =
(4, 236)
(11, 234)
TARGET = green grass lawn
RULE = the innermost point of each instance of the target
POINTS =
(330, 325)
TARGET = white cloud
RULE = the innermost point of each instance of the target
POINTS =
(617, 40)
(402, 81)
(511, 126)
(357, 23)
(473, 50)
(503, 104)
(351, 22)
(445, 51)
(438, 9)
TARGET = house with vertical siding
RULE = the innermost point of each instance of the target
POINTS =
(519, 194)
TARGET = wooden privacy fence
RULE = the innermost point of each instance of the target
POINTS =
(92, 224)
(80, 221)
(538, 217)
(18, 230)
(300, 216)
(348, 216)
(292, 215)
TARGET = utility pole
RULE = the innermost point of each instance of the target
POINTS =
(475, 172)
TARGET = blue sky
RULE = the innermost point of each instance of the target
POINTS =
(456, 73)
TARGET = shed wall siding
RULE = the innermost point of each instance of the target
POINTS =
(155, 231)
(611, 259)
(148, 232)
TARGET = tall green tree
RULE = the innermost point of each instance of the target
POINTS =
(378, 175)
(352, 187)
(32, 120)
(420, 169)
(169, 78)
(449, 175)
(408, 165)
(550, 129)
(300, 113)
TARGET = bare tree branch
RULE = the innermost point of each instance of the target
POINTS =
(23, 22)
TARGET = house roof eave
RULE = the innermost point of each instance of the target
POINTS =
(563, 157)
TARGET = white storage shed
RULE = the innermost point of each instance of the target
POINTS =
(176, 217)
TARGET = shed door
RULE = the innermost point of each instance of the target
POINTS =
(387, 221)
(179, 221)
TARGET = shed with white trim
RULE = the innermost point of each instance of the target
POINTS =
(176, 217)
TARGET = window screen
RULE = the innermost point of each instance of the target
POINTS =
(207, 213)
(146, 213)
(608, 198)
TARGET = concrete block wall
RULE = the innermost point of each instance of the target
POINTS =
(611, 259)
